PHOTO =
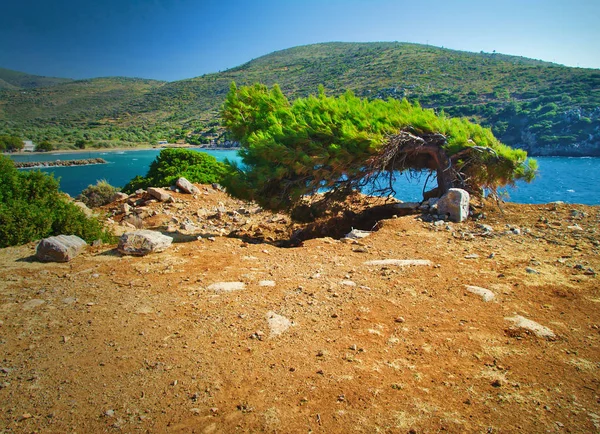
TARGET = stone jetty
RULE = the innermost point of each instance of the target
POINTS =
(60, 163)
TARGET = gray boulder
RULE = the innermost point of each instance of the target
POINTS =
(61, 248)
(454, 204)
(159, 194)
(143, 242)
(186, 186)
(118, 196)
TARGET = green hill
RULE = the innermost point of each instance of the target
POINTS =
(545, 108)
(14, 79)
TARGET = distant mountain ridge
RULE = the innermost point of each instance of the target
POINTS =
(545, 108)
(10, 79)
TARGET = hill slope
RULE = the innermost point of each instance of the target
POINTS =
(14, 79)
(545, 108)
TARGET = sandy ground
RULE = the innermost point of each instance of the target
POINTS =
(314, 339)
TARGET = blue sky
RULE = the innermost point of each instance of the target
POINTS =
(177, 39)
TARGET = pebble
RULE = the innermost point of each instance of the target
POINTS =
(532, 326)
(278, 323)
(530, 270)
(472, 256)
(227, 286)
(485, 294)
(399, 262)
(399, 319)
(32, 304)
(266, 283)
(347, 283)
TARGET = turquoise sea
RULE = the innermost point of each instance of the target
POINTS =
(572, 180)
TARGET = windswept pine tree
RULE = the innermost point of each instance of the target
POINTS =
(340, 144)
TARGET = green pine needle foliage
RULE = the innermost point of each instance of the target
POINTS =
(291, 149)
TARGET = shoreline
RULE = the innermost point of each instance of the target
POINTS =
(116, 149)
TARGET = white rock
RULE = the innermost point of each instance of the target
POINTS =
(277, 323)
(159, 194)
(455, 204)
(118, 196)
(347, 283)
(32, 304)
(485, 294)
(83, 207)
(532, 326)
(227, 286)
(186, 186)
(399, 262)
(266, 283)
(143, 242)
(357, 234)
(61, 248)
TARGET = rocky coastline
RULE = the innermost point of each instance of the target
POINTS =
(58, 163)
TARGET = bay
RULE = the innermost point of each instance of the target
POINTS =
(571, 180)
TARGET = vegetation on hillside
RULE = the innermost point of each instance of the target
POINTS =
(173, 163)
(10, 143)
(539, 106)
(10, 79)
(293, 149)
(100, 194)
(32, 207)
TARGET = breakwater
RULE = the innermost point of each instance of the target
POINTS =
(58, 163)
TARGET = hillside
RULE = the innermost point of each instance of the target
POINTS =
(316, 338)
(10, 79)
(545, 108)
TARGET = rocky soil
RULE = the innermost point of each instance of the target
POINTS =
(245, 325)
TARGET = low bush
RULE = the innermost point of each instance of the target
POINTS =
(98, 195)
(32, 207)
(172, 163)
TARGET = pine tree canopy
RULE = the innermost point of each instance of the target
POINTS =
(338, 144)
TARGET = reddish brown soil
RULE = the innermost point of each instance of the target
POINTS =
(140, 344)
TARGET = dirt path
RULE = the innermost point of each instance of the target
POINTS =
(316, 341)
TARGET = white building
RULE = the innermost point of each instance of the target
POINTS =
(28, 146)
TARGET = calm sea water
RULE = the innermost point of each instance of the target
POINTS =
(572, 180)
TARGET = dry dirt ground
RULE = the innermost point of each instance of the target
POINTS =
(317, 340)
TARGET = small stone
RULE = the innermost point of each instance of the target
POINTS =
(32, 304)
(278, 323)
(399, 262)
(530, 270)
(472, 256)
(485, 294)
(399, 320)
(266, 283)
(227, 286)
(143, 242)
(357, 234)
(347, 283)
(159, 194)
(186, 186)
(532, 326)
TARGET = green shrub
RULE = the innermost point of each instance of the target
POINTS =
(98, 195)
(32, 207)
(172, 163)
